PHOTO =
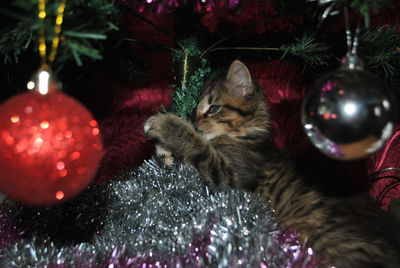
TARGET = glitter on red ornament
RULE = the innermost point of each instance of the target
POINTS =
(93, 123)
(59, 195)
(44, 124)
(60, 165)
(95, 131)
(75, 155)
(50, 148)
(14, 119)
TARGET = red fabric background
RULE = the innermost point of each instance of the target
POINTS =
(284, 85)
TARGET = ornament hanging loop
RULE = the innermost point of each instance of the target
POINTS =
(44, 59)
(43, 81)
(352, 61)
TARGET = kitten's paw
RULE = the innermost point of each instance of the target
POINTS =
(147, 126)
(161, 126)
(153, 126)
(173, 133)
(164, 155)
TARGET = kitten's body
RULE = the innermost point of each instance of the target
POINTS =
(233, 150)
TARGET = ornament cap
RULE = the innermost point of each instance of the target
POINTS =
(352, 62)
(44, 82)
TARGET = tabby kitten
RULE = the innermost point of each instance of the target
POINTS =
(230, 147)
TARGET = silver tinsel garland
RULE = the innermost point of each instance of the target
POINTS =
(152, 216)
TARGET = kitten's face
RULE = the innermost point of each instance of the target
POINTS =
(218, 113)
(229, 107)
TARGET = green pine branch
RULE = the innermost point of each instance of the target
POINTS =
(379, 50)
(307, 48)
(192, 69)
(365, 6)
(86, 24)
(362, 6)
(14, 41)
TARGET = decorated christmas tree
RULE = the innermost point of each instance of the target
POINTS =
(81, 187)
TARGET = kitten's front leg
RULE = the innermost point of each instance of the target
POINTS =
(179, 137)
(174, 134)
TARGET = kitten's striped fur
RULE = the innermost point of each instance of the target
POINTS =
(233, 150)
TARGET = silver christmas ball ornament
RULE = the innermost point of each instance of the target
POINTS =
(348, 113)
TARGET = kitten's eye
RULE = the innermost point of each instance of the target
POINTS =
(214, 109)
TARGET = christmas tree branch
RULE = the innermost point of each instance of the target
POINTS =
(212, 47)
(308, 49)
(305, 47)
(192, 70)
(378, 48)
(364, 6)
(86, 23)
(160, 29)
(245, 48)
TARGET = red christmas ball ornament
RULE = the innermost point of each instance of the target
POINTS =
(50, 144)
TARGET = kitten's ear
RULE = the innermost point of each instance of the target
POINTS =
(239, 79)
